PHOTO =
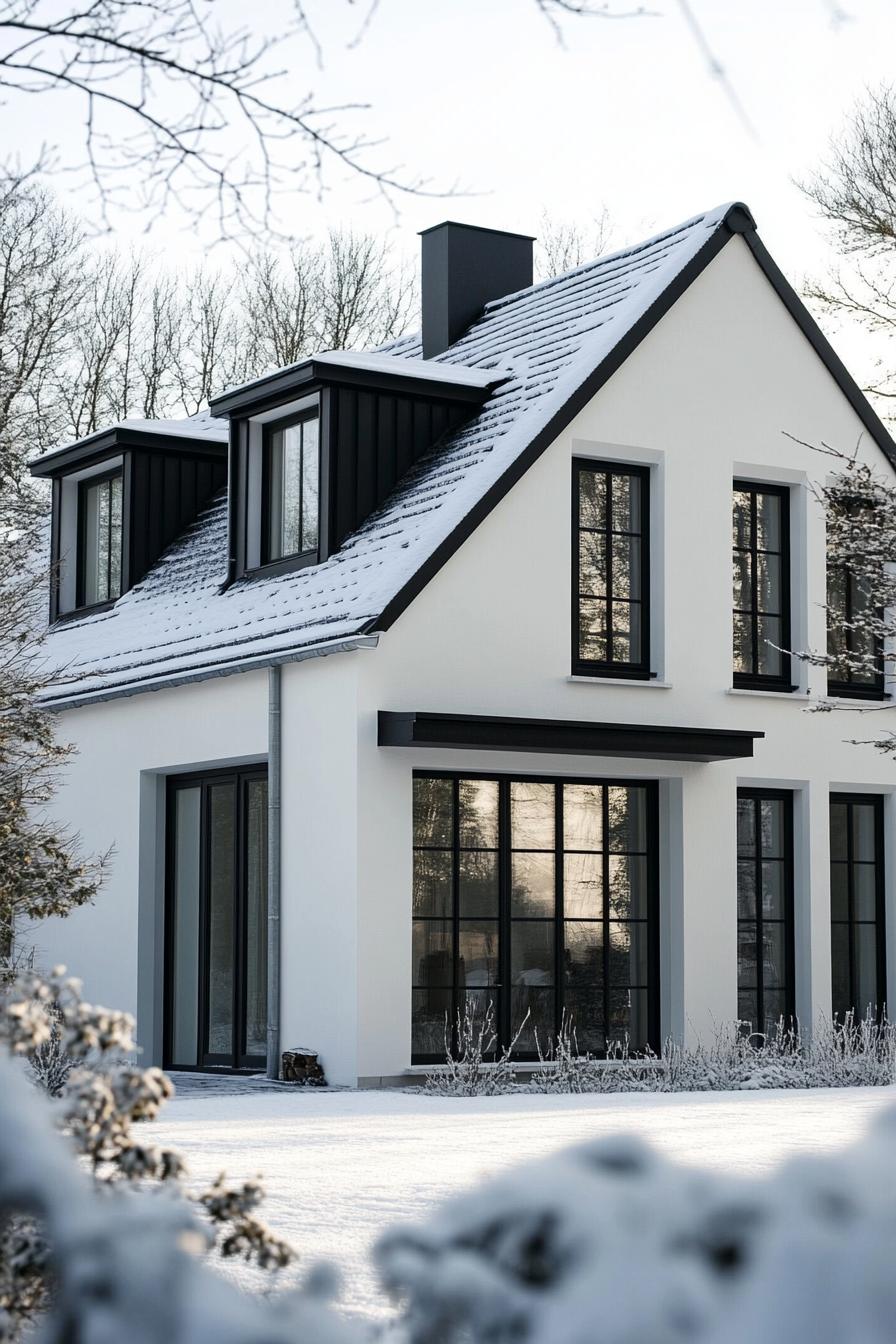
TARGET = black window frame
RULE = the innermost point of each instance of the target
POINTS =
(757, 796)
(849, 688)
(756, 680)
(295, 559)
(238, 1061)
(632, 671)
(84, 486)
(505, 918)
(876, 802)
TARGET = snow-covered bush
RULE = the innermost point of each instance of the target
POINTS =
(80, 1054)
(838, 1054)
(126, 1265)
(610, 1243)
(472, 1067)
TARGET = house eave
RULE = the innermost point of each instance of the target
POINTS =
(313, 374)
(204, 672)
(95, 447)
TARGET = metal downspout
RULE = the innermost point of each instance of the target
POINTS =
(274, 686)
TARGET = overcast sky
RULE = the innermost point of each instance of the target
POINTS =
(624, 116)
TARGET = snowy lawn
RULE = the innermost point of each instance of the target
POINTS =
(341, 1166)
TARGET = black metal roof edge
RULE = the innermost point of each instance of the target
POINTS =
(821, 345)
(564, 736)
(570, 409)
(423, 716)
(104, 441)
(312, 374)
(737, 221)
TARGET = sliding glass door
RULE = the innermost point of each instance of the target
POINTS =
(216, 921)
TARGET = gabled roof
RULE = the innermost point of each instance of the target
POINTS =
(555, 344)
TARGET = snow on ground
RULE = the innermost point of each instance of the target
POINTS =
(340, 1167)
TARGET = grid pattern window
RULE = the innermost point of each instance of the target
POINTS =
(291, 483)
(761, 544)
(856, 668)
(765, 989)
(100, 539)
(857, 906)
(539, 897)
(611, 616)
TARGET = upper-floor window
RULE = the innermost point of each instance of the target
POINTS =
(856, 653)
(611, 616)
(99, 539)
(291, 488)
(761, 541)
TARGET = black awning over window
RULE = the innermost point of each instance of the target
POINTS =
(563, 736)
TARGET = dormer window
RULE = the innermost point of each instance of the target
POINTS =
(120, 497)
(291, 486)
(99, 539)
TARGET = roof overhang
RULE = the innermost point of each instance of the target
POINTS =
(563, 737)
(372, 372)
(96, 446)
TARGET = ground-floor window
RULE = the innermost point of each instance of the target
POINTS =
(538, 896)
(857, 905)
(216, 921)
(765, 909)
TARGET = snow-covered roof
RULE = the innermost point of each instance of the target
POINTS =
(197, 428)
(551, 341)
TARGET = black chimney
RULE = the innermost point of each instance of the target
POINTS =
(463, 269)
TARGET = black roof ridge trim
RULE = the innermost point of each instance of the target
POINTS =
(737, 210)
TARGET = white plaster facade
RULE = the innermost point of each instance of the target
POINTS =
(713, 392)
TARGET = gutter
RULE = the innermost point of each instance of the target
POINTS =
(206, 672)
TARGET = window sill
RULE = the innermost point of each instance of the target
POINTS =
(796, 694)
(649, 682)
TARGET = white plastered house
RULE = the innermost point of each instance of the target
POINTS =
(453, 673)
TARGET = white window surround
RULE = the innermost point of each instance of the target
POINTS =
(624, 454)
(254, 502)
(68, 529)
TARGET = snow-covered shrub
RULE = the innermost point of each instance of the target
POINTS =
(472, 1067)
(80, 1054)
(610, 1243)
(838, 1054)
(125, 1265)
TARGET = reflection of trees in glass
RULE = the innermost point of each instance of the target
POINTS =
(576, 907)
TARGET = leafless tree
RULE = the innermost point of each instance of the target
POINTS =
(180, 106)
(563, 244)
(855, 192)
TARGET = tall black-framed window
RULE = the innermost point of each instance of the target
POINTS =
(611, 582)
(857, 666)
(765, 957)
(541, 896)
(858, 943)
(99, 539)
(216, 921)
(761, 552)
(291, 488)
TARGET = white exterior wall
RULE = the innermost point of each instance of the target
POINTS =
(114, 795)
(708, 395)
